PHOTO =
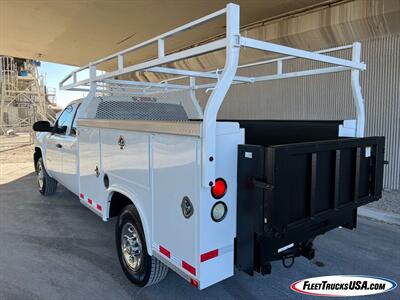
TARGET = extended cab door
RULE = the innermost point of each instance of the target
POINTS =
(55, 141)
(69, 174)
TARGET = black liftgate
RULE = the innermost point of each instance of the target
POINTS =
(297, 180)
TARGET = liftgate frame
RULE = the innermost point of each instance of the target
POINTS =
(97, 81)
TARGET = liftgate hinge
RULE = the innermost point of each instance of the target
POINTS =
(261, 184)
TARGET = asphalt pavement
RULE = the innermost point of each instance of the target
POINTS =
(54, 248)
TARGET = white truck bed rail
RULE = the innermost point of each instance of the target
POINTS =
(224, 78)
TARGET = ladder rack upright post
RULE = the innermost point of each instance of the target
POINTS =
(209, 125)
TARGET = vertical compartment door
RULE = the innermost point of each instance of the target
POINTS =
(91, 188)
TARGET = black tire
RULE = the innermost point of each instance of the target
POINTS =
(150, 270)
(48, 185)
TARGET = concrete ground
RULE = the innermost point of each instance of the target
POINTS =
(390, 202)
(54, 248)
(15, 157)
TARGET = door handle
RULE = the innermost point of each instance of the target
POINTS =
(59, 146)
(97, 171)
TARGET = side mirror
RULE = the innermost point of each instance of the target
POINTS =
(42, 126)
(61, 130)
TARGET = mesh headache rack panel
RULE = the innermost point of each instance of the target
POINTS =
(139, 108)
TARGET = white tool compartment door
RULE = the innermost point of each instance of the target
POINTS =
(176, 175)
(91, 187)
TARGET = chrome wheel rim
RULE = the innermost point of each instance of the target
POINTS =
(131, 247)
(40, 175)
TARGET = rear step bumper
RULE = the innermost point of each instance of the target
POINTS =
(290, 194)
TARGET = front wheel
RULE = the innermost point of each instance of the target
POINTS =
(47, 185)
(140, 268)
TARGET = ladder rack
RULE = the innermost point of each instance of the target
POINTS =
(96, 81)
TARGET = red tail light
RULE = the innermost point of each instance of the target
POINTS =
(219, 188)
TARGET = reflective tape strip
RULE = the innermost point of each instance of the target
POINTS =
(215, 253)
(224, 250)
(188, 267)
(165, 252)
(81, 196)
(177, 262)
(98, 206)
(90, 201)
(209, 255)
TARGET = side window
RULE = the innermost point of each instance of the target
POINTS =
(65, 120)
(73, 128)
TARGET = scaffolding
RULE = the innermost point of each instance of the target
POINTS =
(24, 97)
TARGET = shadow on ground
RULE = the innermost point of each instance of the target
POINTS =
(54, 248)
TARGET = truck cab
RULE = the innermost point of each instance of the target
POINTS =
(58, 147)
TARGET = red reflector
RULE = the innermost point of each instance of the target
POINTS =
(98, 206)
(81, 196)
(219, 188)
(209, 255)
(188, 267)
(194, 282)
(165, 252)
(90, 201)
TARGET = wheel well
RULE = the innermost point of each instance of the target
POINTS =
(118, 202)
(36, 156)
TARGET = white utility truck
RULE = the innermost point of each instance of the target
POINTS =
(200, 195)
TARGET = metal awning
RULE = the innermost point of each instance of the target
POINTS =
(75, 32)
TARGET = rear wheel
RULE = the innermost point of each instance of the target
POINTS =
(47, 185)
(140, 268)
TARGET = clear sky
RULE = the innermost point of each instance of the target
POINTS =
(53, 74)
